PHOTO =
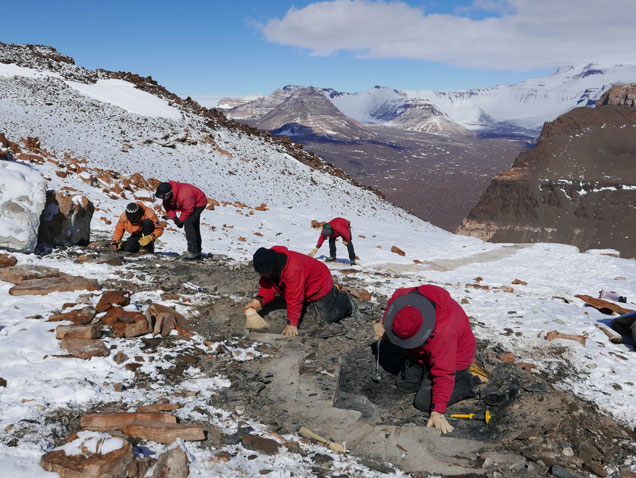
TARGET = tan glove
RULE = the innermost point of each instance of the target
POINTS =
(145, 240)
(290, 330)
(345, 242)
(438, 420)
(378, 331)
(253, 304)
(313, 252)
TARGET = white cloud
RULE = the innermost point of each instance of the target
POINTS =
(528, 34)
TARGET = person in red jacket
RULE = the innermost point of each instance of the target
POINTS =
(190, 201)
(301, 280)
(440, 345)
(337, 227)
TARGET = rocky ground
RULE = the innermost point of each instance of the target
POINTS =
(537, 430)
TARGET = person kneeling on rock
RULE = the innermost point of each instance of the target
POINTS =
(143, 226)
(301, 280)
(431, 348)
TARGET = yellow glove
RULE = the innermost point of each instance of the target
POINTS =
(438, 420)
(378, 331)
(290, 330)
(145, 240)
(313, 252)
(253, 304)
(120, 245)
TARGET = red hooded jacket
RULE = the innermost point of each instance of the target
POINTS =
(303, 279)
(341, 228)
(450, 347)
(185, 198)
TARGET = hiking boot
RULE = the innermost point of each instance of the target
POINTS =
(352, 262)
(149, 249)
(190, 256)
(330, 259)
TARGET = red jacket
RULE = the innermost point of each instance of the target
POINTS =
(185, 198)
(341, 228)
(303, 279)
(450, 347)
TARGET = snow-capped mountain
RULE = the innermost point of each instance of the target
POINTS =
(228, 103)
(309, 108)
(521, 108)
(255, 109)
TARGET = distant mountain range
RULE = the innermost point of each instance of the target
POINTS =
(519, 109)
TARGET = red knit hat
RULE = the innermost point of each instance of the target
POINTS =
(407, 322)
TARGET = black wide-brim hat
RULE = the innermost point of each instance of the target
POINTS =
(424, 306)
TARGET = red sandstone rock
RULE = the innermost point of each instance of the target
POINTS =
(78, 316)
(19, 274)
(519, 282)
(124, 323)
(103, 422)
(63, 283)
(159, 407)
(164, 432)
(113, 297)
(117, 463)
(397, 250)
(79, 331)
(554, 334)
(84, 348)
(507, 357)
(162, 319)
(7, 261)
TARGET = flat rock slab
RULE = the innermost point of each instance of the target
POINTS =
(118, 420)
(19, 274)
(603, 306)
(63, 283)
(84, 348)
(309, 396)
(125, 323)
(117, 463)
(81, 316)
(159, 407)
(79, 331)
(164, 432)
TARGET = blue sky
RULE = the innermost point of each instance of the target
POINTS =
(211, 49)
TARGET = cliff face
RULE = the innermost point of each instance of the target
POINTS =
(577, 186)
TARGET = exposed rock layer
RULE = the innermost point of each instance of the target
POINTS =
(578, 186)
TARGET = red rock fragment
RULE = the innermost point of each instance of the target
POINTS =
(63, 283)
(103, 422)
(164, 432)
(7, 261)
(113, 297)
(398, 251)
(81, 316)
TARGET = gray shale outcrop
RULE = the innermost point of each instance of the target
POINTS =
(577, 186)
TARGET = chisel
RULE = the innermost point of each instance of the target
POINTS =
(486, 416)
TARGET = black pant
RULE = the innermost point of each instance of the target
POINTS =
(625, 326)
(332, 307)
(332, 249)
(192, 229)
(414, 377)
(132, 243)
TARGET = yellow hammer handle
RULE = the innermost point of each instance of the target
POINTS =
(463, 415)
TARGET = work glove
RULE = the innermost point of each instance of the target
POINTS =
(253, 304)
(178, 223)
(438, 420)
(378, 331)
(114, 246)
(345, 243)
(145, 240)
(313, 252)
(290, 330)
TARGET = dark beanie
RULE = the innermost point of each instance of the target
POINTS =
(264, 260)
(162, 189)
